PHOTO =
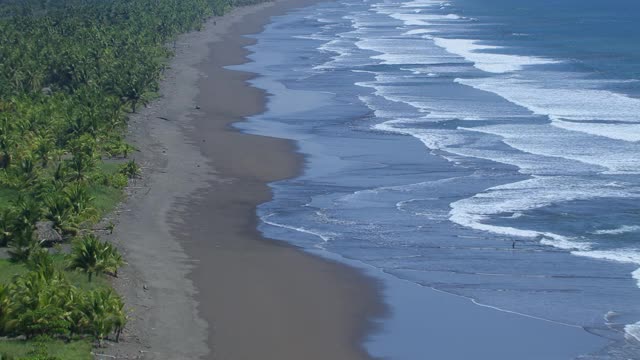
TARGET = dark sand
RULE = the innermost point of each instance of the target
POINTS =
(201, 281)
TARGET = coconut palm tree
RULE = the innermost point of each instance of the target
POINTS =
(60, 212)
(7, 225)
(22, 244)
(27, 211)
(104, 311)
(130, 169)
(88, 255)
(80, 200)
(113, 259)
(34, 305)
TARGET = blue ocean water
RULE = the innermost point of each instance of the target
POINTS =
(484, 148)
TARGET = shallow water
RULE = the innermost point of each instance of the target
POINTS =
(484, 148)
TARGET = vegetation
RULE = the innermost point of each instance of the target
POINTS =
(44, 348)
(43, 303)
(71, 70)
(92, 256)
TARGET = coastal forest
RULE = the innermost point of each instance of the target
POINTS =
(70, 73)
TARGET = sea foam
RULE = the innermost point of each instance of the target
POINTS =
(620, 230)
(527, 195)
(492, 62)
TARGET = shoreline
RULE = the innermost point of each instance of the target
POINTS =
(202, 282)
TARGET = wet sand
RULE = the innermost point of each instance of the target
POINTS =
(201, 281)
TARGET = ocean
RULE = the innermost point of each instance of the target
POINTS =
(486, 149)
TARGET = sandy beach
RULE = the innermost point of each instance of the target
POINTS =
(201, 281)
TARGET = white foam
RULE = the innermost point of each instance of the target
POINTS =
(633, 331)
(421, 4)
(340, 47)
(610, 156)
(475, 52)
(527, 195)
(421, 19)
(620, 230)
(312, 37)
(564, 243)
(618, 131)
(427, 212)
(418, 32)
(406, 51)
(561, 100)
(413, 19)
(324, 236)
(457, 142)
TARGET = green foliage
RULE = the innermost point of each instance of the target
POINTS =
(21, 246)
(130, 169)
(43, 302)
(9, 270)
(92, 256)
(70, 72)
(53, 348)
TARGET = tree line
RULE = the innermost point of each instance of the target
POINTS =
(70, 72)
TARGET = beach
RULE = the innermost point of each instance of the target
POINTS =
(201, 281)
(384, 179)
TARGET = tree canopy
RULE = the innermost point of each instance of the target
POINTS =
(70, 72)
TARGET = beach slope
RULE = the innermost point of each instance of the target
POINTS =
(201, 281)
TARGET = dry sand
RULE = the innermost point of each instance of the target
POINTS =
(201, 281)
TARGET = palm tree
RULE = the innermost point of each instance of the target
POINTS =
(27, 211)
(104, 311)
(88, 255)
(43, 150)
(80, 200)
(60, 212)
(130, 169)
(22, 244)
(113, 259)
(34, 305)
(7, 225)
(7, 142)
(74, 302)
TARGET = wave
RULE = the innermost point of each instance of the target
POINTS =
(423, 211)
(620, 230)
(616, 131)
(421, 19)
(324, 236)
(564, 99)
(612, 157)
(394, 52)
(527, 195)
(633, 331)
(491, 62)
(418, 32)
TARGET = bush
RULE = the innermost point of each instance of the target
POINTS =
(40, 304)
(93, 256)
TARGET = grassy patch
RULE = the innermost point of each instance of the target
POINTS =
(110, 167)
(8, 270)
(80, 279)
(7, 196)
(105, 198)
(73, 350)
